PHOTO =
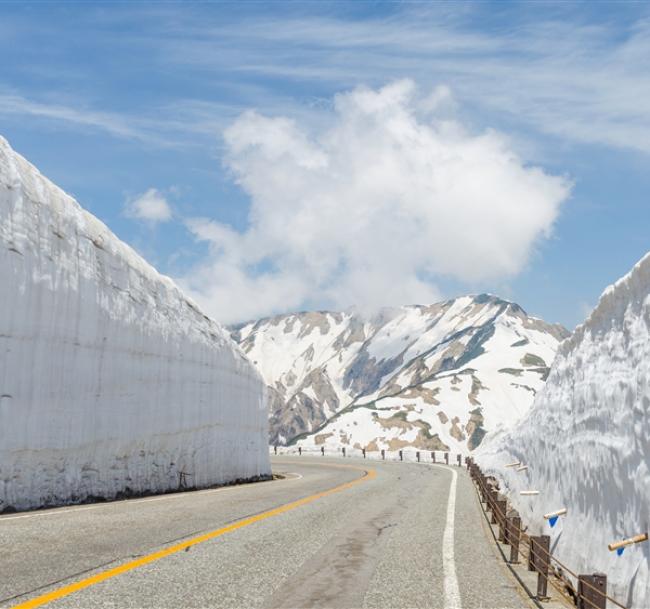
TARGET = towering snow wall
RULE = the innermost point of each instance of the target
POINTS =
(111, 381)
(587, 442)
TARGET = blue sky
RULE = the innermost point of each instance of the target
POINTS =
(194, 100)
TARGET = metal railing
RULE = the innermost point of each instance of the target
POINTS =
(410, 455)
(591, 589)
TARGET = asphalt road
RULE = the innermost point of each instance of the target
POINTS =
(402, 535)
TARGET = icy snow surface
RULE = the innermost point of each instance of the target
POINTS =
(110, 379)
(587, 442)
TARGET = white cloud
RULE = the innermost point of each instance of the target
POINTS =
(370, 209)
(151, 206)
(111, 123)
(554, 71)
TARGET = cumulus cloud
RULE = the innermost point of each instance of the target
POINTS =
(151, 206)
(371, 208)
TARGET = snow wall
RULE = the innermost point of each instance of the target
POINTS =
(586, 441)
(111, 381)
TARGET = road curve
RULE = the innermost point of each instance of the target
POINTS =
(329, 535)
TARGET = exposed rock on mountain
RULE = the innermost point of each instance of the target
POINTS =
(431, 377)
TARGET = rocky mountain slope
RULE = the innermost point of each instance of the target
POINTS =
(586, 442)
(431, 377)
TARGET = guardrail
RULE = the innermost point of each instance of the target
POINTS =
(410, 455)
(588, 591)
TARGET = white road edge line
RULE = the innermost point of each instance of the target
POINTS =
(296, 476)
(114, 504)
(452, 592)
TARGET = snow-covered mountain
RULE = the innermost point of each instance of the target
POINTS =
(432, 377)
(586, 442)
(111, 380)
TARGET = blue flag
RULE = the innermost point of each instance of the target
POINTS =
(552, 520)
(619, 551)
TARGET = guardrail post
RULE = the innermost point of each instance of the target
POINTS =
(484, 493)
(343, 449)
(458, 458)
(541, 562)
(500, 511)
(483, 487)
(383, 454)
(417, 455)
(275, 450)
(513, 534)
(433, 456)
(401, 456)
(531, 555)
(447, 458)
(300, 450)
(363, 450)
(322, 451)
(538, 559)
(592, 591)
(493, 495)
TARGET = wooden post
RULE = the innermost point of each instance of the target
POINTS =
(417, 455)
(540, 548)
(447, 458)
(514, 533)
(383, 454)
(300, 450)
(363, 450)
(401, 456)
(459, 457)
(500, 511)
(531, 557)
(322, 451)
(433, 456)
(343, 449)
(485, 491)
(626, 542)
(275, 449)
(592, 591)
(494, 494)
(542, 571)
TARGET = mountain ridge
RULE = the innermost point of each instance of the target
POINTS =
(322, 365)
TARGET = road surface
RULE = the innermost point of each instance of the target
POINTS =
(340, 533)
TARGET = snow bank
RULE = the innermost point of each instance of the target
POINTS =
(111, 381)
(587, 442)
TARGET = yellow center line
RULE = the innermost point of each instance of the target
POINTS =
(149, 558)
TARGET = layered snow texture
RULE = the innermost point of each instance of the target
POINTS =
(432, 377)
(111, 381)
(587, 442)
